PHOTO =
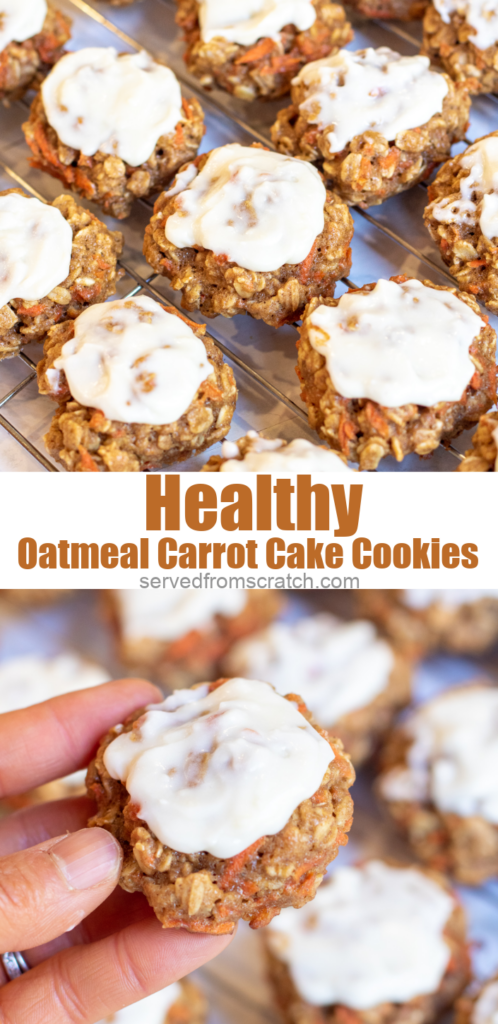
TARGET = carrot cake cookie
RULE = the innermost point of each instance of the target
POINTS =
(461, 36)
(255, 454)
(228, 801)
(483, 456)
(32, 35)
(464, 621)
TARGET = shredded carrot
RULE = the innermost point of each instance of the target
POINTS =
(261, 49)
(235, 864)
(476, 380)
(31, 310)
(178, 139)
(186, 107)
(210, 390)
(97, 420)
(474, 288)
(477, 263)
(87, 463)
(377, 419)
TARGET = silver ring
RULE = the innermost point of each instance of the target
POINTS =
(14, 965)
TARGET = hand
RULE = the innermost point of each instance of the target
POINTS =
(92, 947)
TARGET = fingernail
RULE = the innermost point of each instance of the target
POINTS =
(87, 858)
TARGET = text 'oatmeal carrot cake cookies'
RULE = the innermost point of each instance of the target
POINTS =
(255, 47)
(419, 621)
(181, 637)
(461, 36)
(462, 218)
(255, 454)
(138, 386)
(439, 780)
(179, 1003)
(57, 259)
(380, 943)
(374, 121)
(481, 1008)
(228, 801)
(113, 127)
(245, 230)
(351, 680)
(395, 367)
(32, 35)
(483, 456)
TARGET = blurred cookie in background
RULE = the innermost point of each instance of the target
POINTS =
(420, 621)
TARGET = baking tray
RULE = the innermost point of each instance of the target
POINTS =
(389, 239)
(235, 983)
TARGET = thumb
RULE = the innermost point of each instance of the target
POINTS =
(48, 889)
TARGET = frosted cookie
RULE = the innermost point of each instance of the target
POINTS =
(482, 1008)
(181, 637)
(245, 230)
(57, 259)
(375, 122)
(461, 36)
(350, 679)
(112, 127)
(439, 780)
(179, 1003)
(30, 679)
(32, 36)
(464, 621)
(255, 454)
(395, 367)
(379, 943)
(255, 47)
(462, 218)
(483, 456)
(138, 386)
(228, 801)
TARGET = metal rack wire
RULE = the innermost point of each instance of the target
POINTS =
(380, 246)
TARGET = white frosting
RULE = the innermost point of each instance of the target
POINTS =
(35, 248)
(478, 196)
(31, 679)
(272, 456)
(260, 209)
(373, 934)
(217, 771)
(398, 344)
(167, 615)
(369, 90)
(153, 1009)
(134, 361)
(97, 100)
(249, 20)
(20, 20)
(453, 757)
(418, 599)
(485, 1009)
(336, 667)
(482, 15)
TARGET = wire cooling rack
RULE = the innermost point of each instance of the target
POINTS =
(389, 239)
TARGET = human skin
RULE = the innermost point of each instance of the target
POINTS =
(50, 881)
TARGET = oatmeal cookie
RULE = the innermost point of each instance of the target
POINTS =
(114, 174)
(265, 841)
(333, 961)
(181, 639)
(255, 454)
(214, 281)
(118, 422)
(367, 166)
(366, 428)
(448, 816)
(483, 456)
(420, 621)
(459, 221)
(480, 1008)
(263, 69)
(448, 42)
(91, 265)
(24, 64)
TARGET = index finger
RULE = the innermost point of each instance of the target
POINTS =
(60, 736)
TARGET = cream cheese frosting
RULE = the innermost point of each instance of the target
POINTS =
(217, 771)
(35, 248)
(420, 598)
(20, 20)
(259, 209)
(485, 1009)
(121, 104)
(477, 199)
(166, 615)
(369, 90)
(134, 361)
(153, 1009)
(398, 344)
(249, 20)
(274, 456)
(453, 756)
(481, 15)
(336, 667)
(373, 934)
